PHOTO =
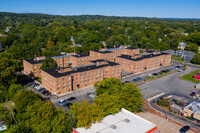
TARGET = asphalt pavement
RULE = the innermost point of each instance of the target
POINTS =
(170, 84)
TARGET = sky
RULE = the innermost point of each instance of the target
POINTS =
(133, 8)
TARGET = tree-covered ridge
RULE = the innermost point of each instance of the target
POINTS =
(41, 34)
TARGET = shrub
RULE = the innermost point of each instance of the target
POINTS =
(164, 102)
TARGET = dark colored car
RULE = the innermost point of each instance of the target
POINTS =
(155, 74)
(67, 105)
(71, 98)
(192, 94)
(46, 93)
(135, 80)
(138, 78)
(127, 82)
(178, 67)
(184, 129)
(164, 71)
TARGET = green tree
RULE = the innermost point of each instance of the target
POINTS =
(193, 47)
(196, 59)
(8, 68)
(109, 85)
(48, 63)
(88, 113)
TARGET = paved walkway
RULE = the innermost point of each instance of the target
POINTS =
(163, 125)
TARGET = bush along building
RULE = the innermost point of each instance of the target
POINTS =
(77, 70)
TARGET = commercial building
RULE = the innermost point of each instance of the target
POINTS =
(64, 79)
(192, 110)
(122, 122)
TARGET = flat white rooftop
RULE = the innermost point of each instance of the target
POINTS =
(122, 122)
(194, 106)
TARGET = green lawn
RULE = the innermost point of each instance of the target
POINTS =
(190, 76)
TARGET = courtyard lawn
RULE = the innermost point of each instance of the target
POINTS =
(190, 76)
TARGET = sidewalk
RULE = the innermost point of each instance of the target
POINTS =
(158, 113)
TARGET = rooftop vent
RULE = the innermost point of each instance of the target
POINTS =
(113, 127)
(126, 120)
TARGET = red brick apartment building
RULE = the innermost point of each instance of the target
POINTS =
(141, 63)
(111, 54)
(78, 70)
(32, 66)
(64, 79)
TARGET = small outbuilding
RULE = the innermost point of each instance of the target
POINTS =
(198, 86)
(197, 76)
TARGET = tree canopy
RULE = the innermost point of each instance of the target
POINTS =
(112, 97)
(48, 63)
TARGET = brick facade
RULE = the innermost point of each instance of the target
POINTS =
(77, 70)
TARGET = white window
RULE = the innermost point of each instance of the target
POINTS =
(64, 83)
(64, 87)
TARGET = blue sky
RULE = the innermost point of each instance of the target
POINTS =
(143, 8)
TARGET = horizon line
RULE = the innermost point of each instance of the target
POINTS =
(98, 15)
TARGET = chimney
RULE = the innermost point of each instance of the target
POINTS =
(35, 58)
(74, 52)
(97, 63)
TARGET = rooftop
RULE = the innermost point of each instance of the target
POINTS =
(55, 71)
(39, 61)
(194, 106)
(122, 122)
(142, 56)
(77, 55)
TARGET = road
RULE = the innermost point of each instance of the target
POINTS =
(174, 116)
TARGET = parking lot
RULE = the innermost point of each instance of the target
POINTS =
(144, 75)
(170, 84)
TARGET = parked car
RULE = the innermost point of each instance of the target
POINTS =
(150, 75)
(41, 90)
(127, 82)
(135, 80)
(138, 78)
(155, 74)
(63, 102)
(38, 87)
(192, 94)
(71, 98)
(178, 67)
(180, 70)
(184, 129)
(172, 69)
(46, 93)
(67, 104)
(91, 95)
(164, 71)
